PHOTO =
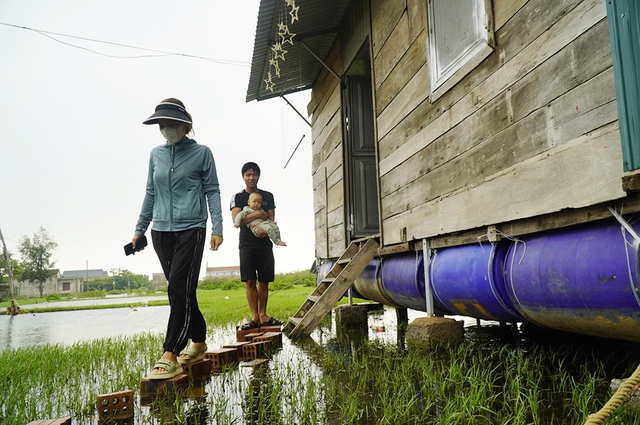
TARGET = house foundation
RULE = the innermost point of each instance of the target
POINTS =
(435, 330)
(351, 317)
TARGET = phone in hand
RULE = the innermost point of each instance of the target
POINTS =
(128, 248)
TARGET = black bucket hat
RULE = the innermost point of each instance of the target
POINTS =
(169, 111)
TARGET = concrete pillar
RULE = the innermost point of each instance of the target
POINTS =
(425, 331)
(351, 317)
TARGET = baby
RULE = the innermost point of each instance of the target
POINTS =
(255, 204)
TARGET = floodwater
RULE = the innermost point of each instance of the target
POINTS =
(27, 330)
(67, 327)
(239, 391)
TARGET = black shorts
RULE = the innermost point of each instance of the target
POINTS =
(258, 260)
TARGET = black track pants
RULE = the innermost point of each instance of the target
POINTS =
(180, 254)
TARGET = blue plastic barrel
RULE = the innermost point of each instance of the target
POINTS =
(582, 279)
(367, 286)
(468, 280)
(402, 279)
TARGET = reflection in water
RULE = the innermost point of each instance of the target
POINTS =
(67, 327)
(261, 403)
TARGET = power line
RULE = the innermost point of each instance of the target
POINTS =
(50, 34)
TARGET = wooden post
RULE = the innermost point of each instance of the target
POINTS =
(8, 263)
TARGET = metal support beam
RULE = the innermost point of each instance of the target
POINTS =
(335, 74)
(294, 151)
(294, 108)
(426, 260)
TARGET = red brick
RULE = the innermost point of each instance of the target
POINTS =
(241, 336)
(199, 370)
(250, 337)
(271, 328)
(115, 405)
(150, 388)
(254, 350)
(274, 338)
(237, 346)
(221, 358)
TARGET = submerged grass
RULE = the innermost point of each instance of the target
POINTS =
(55, 381)
(343, 380)
(474, 383)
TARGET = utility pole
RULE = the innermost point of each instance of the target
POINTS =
(8, 263)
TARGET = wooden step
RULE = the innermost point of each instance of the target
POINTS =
(330, 290)
(295, 320)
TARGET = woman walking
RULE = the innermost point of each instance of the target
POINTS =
(181, 183)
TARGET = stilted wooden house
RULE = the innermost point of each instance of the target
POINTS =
(491, 147)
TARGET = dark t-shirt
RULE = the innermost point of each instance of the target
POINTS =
(247, 238)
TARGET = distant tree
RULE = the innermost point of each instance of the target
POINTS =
(120, 279)
(16, 269)
(36, 254)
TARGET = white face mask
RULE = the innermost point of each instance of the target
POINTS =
(173, 135)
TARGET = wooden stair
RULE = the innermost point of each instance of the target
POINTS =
(328, 292)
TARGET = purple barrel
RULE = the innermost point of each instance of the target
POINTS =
(582, 279)
(402, 278)
(365, 286)
(468, 280)
(368, 286)
(322, 271)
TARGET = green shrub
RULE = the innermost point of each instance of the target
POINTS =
(282, 281)
(303, 278)
(92, 294)
(225, 283)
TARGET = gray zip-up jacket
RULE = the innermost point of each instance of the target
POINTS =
(182, 180)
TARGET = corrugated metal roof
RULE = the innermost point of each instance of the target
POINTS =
(317, 26)
(91, 273)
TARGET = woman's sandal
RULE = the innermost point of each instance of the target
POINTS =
(194, 355)
(171, 368)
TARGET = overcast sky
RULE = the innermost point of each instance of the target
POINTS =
(73, 151)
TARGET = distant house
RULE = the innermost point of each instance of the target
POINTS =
(88, 274)
(226, 271)
(32, 289)
(74, 280)
(69, 282)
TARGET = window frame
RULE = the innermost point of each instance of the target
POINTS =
(443, 76)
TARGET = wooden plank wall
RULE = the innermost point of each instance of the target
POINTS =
(327, 160)
(532, 130)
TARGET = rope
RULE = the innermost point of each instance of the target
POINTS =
(620, 395)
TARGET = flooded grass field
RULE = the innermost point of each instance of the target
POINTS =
(499, 375)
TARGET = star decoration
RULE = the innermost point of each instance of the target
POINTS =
(291, 3)
(282, 26)
(274, 63)
(279, 51)
(269, 84)
(287, 37)
(294, 13)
